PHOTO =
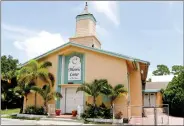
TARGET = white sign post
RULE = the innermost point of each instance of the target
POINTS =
(74, 68)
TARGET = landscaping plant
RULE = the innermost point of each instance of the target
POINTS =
(97, 112)
(22, 90)
(47, 95)
(113, 92)
(32, 71)
(35, 110)
(174, 95)
(8, 82)
(93, 89)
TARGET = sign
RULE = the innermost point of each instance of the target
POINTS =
(74, 68)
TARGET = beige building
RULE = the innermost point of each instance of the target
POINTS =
(82, 60)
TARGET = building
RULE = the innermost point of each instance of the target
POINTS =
(82, 60)
(151, 93)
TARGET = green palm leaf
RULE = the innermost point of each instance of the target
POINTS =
(45, 64)
(43, 74)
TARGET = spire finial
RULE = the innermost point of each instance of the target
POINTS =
(85, 9)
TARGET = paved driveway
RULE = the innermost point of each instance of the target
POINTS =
(162, 118)
(176, 120)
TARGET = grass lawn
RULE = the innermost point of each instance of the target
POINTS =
(10, 111)
(23, 118)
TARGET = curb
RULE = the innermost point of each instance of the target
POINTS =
(61, 119)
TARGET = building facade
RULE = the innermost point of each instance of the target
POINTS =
(82, 60)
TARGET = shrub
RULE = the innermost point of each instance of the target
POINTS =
(35, 110)
(97, 112)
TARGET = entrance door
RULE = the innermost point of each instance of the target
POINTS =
(146, 99)
(73, 99)
(149, 99)
(152, 99)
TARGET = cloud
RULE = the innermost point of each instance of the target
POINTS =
(33, 43)
(101, 31)
(17, 29)
(109, 9)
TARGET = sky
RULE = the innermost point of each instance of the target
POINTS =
(151, 31)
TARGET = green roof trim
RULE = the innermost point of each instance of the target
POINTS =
(151, 90)
(92, 49)
(85, 16)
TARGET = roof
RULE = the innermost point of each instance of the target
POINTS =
(163, 78)
(151, 90)
(156, 85)
(89, 48)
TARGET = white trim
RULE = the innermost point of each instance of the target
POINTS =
(63, 70)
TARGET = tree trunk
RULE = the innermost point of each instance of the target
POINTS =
(22, 104)
(45, 107)
(25, 105)
(94, 101)
(111, 103)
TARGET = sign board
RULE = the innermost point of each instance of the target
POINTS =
(74, 68)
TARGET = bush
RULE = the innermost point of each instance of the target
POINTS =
(97, 112)
(174, 95)
(35, 110)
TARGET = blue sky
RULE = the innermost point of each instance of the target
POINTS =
(151, 31)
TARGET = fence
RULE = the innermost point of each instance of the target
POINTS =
(121, 114)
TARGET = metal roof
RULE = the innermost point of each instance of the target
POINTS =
(156, 85)
(151, 90)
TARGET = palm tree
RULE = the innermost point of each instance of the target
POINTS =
(46, 94)
(34, 71)
(113, 92)
(22, 90)
(93, 89)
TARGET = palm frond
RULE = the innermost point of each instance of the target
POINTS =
(46, 89)
(3, 96)
(118, 86)
(86, 88)
(24, 70)
(57, 95)
(52, 79)
(17, 89)
(45, 64)
(50, 97)
(33, 64)
(37, 89)
(43, 74)
(122, 90)
(107, 89)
